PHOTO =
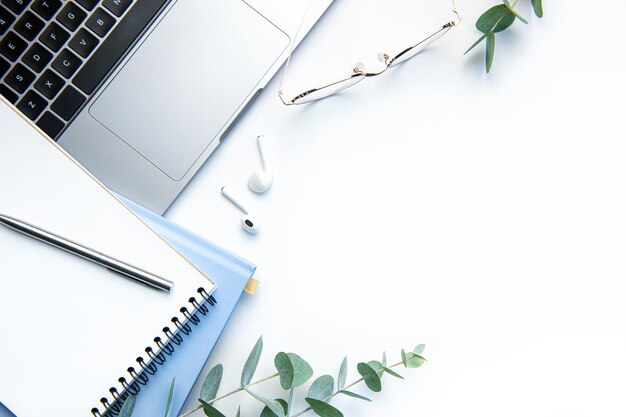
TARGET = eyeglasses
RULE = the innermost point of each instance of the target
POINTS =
(358, 72)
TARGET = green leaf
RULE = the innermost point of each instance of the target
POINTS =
(354, 395)
(322, 388)
(285, 369)
(323, 409)
(269, 413)
(378, 367)
(169, 397)
(419, 349)
(371, 378)
(251, 363)
(491, 49)
(209, 410)
(507, 3)
(393, 373)
(212, 383)
(128, 407)
(238, 412)
(404, 358)
(343, 373)
(538, 7)
(302, 371)
(273, 405)
(414, 361)
(384, 359)
(495, 19)
(475, 44)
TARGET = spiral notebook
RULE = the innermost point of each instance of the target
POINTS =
(76, 337)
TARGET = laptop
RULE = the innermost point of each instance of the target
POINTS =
(140, 92)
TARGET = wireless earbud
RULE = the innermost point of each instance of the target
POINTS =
(248, 223)
(261, 180)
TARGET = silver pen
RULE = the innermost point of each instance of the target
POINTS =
(108, 262)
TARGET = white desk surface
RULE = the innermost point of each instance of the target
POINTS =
(481, 215)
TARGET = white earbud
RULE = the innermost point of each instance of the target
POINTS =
(261, 180)
(248, 223)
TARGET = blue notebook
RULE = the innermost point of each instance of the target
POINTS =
(231, 274)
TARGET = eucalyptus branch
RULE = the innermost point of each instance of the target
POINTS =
(293, 372)
(497, 19)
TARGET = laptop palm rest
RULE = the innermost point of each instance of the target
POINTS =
(188, 78)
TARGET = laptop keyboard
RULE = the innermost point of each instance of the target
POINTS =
(54, 54)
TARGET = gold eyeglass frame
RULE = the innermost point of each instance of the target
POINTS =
(358, 72)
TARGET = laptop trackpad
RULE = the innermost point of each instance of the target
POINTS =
(187, 80)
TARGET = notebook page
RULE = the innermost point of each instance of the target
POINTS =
(96, 323)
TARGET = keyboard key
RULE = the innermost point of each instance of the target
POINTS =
(54, 37)
(88, 4)
(83, 43)
(17, 6)
(116, 44)
(29, 26)
(46, 8)
(71, 16)
(8, 94)
(117, 7)
(50, 124)
(19, 78)
(66, 63)
(100, 22)
(12, 46)
(68, 103)
(49, 84)
(37, 57)
(4, 66)
(32, 104)
(6, 20)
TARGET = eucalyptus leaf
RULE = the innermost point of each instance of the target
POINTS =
(251, 363)
(128, 407)
(343, 373)
(419, 349)
(354, 395)
(238, 412)
(302, 371)
(495, 19)
(285, 370)
(322, 388)
(378, 367)
(538, 7)
(393, 373)
(323, 409)
(269, 413)
(273, 405)
(491, 49)
(170, 397)
(403, 353)
(371, 378)
(414, 361)
(384, 361)
(210, 411)
(211, 384)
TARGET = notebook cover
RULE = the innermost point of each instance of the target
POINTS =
(231, 274)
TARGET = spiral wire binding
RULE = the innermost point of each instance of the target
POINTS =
(148, 366)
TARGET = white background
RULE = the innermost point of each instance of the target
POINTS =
(481, 215)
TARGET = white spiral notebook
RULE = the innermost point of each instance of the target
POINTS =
(74, 335)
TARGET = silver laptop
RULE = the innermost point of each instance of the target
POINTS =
(141, 91)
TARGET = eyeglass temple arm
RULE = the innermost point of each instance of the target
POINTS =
(294, 41)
